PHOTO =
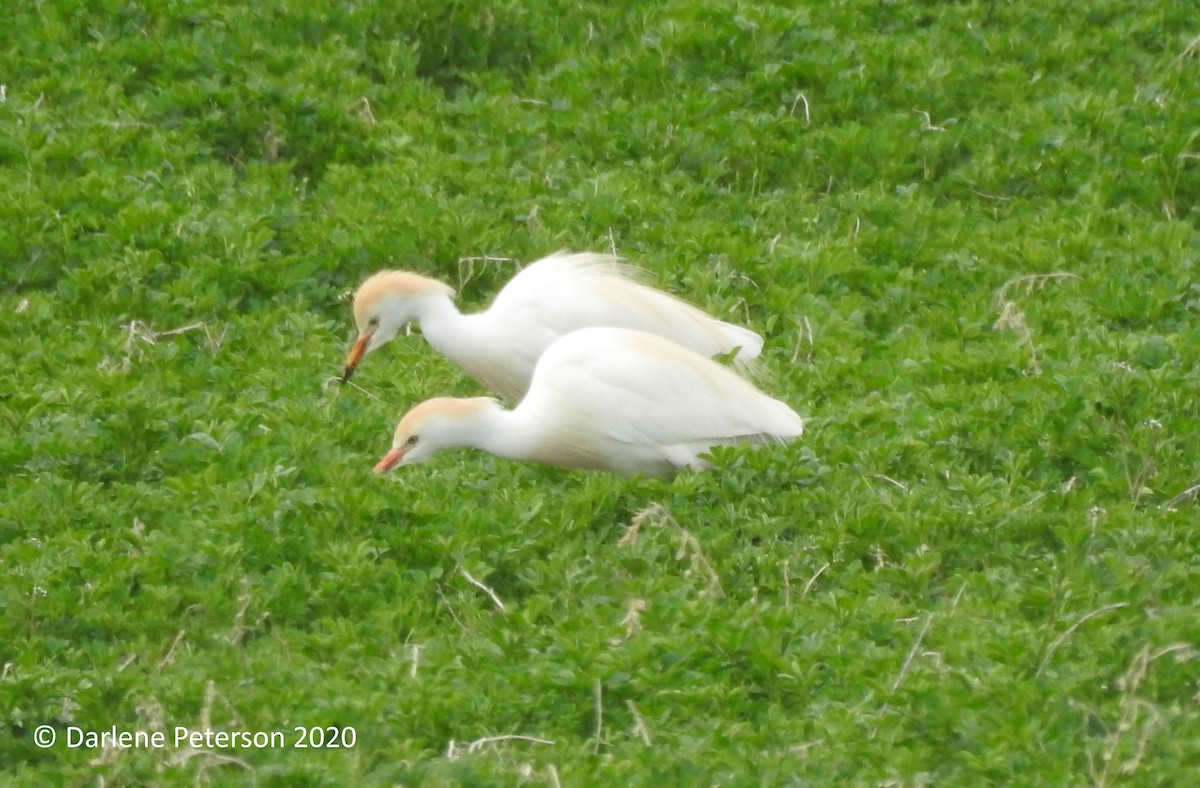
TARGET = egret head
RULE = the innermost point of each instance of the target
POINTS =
(436, 424)
(384, 304)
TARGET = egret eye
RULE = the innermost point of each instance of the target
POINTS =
(373, 321)
(412, 441)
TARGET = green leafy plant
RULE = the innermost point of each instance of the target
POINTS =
(967, 230)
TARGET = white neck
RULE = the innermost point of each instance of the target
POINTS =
(502, 432)
(475, 344)
(449, 331)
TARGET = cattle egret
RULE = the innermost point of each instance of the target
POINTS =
(610, 399)
(548, 299)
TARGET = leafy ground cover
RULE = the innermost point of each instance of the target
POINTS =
(968, 231)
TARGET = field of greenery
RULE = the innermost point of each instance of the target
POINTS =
(968, 231)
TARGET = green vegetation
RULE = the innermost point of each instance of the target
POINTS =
(967, 229)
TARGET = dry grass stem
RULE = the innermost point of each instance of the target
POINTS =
(812, 580)
(1136, 481)
(450, 609)
(912, 653)
(1137, 716)
(211, 759)
(351, 384)
(598, 700)
(1183, 496)
(989, 196)
(1058, 641)
(1012, 318)
(958, 596)
(805, 339)
(1030, 283)
(639, 724)
(1020, 508)
(478, 744)
(454, 752)
(804, 747)
(485, 589)
(210, 697)
(890, 480)
(656, 516)
(138, 331)
(169, 657)
(531, 218)
(237, 632)
(1189, 51)
(787, 587)
(466, 266)
(929, 125)
(801, 99)
(363, 106)
(632, 621)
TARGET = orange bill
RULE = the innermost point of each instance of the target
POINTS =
(356, 355)
(390, 460)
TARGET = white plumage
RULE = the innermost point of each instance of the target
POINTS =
(548, 299)
(610, 399)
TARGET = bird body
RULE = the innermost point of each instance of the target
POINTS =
(611, 399)
(545, 301)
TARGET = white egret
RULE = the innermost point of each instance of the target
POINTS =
(610, 399)
(546, 300)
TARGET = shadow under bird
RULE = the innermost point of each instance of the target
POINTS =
(546, 300)
(610, 399)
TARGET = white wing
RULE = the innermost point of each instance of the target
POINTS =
(640, 399)
(565, 292)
